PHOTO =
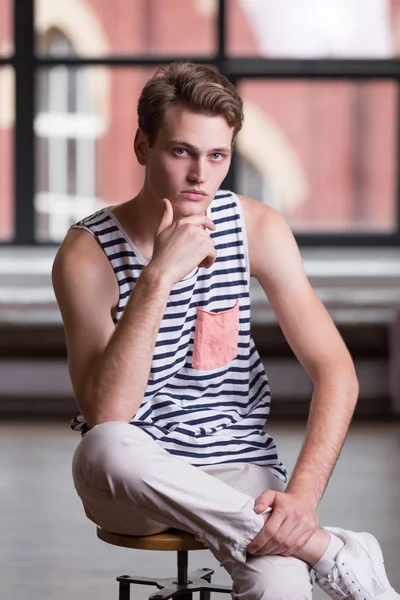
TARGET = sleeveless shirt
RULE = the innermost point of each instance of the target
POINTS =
(203, 415)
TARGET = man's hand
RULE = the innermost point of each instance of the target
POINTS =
(181, 245)
(290, 525)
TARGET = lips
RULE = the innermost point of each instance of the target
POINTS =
(194, 195)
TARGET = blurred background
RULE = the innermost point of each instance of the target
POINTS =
(320, 142)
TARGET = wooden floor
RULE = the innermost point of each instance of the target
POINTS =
(49, 550)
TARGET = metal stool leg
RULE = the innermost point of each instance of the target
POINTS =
(124, 590)
(182, 586)
(183, 573)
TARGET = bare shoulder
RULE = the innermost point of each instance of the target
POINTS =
(79, 264)
(268, 236)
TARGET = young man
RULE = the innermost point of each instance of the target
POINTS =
(154, 295)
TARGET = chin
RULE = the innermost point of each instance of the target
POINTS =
(185, 208)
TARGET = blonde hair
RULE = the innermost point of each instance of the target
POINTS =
(198, 86)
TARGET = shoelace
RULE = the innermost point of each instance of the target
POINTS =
(334, 583)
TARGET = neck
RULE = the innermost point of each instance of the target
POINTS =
(142, 216)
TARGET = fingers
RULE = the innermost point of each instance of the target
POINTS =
(277, 543)
(202, 220)
(287, 540)
(167, 218)
(265, 500)
(208, 261)
(267, 533)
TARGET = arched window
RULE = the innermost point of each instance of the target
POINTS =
(66, 126)
(250, 182)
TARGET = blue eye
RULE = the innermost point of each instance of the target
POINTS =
(179, 150)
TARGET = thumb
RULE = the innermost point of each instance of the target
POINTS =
(167, 218)
(264, 501)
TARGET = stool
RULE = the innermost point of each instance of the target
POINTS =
(181, 586)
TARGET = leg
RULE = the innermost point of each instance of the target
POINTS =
(130, 485)
(261, 577)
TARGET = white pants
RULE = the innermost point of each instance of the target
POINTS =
(130, 485)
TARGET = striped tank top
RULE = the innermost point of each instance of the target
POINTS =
(204, 412)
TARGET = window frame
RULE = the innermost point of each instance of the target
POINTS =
(25, 63)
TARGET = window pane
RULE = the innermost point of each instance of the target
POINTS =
(6, 29)
(6, 153)
(323, 153)
(314, 29)
(85, 157)
(139, 27)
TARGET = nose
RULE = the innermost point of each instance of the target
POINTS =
(198, 172)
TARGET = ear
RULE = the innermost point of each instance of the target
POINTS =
(141, 147)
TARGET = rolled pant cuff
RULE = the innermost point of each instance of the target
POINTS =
(236, 549)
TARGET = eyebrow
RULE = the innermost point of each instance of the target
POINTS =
(196, 148)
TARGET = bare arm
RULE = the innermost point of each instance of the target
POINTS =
(101, 357)
(276, 263)
(110, 366)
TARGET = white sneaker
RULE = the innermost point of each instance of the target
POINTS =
(359, 571)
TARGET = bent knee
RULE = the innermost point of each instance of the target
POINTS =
(111, 451)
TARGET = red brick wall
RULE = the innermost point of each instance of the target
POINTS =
(319, 119)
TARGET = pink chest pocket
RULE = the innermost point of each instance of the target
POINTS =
(216, 338)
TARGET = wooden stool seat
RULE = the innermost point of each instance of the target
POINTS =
(184, 584)
(173, 539)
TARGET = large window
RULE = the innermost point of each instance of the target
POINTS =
(313, 29)
(322, 152)
(67, 127)
(319, 83)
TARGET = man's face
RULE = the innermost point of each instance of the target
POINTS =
(192, 151)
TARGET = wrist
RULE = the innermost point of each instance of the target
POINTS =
(305, 494)
(156, 278)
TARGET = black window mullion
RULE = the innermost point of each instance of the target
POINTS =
(221, 34)
(24, 175)
(235, 68)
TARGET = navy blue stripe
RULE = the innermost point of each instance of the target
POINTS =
(255, 379)
(235, 231)
(90, 218)
(262, 460)
(229, 257)
(220, 284)
(193, 406)
(234, 244)
(174, 352)
(121, 254)
(215, 209)
(113, 242)
(259, 428)
(182, 290)
(103, 220)
(222, 272)
(206, 455)
(175, 340)
(235, 441)
(180, 359)
(263, 390)
(234, 217)
(196, 407)
(107, 230)
(127, 280)
(219, 373)
(210, 386)
(127, 267)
